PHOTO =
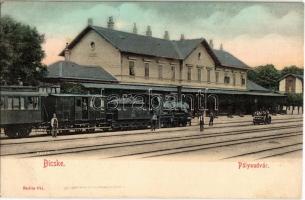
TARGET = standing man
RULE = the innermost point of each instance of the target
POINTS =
(154, 122)
(212, 115)
(201, 122)
(54, 125)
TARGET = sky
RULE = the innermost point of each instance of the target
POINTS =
(257, 33)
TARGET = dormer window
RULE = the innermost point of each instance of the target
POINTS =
(92, 46)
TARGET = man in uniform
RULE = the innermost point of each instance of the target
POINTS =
(54, 125)
(154, 122)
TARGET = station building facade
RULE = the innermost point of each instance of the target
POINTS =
(108, 59)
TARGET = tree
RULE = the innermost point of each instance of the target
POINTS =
(294, 99)
(292, 70)
(20, 53)
(266, 76)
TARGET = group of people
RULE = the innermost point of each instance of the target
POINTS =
(211, 121)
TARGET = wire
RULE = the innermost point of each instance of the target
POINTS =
(65, 1)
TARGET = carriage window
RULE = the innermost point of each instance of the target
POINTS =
(2, 103)
(78, 103)
(36, 106)
(22, 103)
(15, 103)
(30, 103)
(9, 103)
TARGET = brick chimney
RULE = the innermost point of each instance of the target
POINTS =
(166, 35)
(110, 23)
(67, 52)
(90, 22)
(211, 44)
(148, 31)
(135, 29)
(182, 37)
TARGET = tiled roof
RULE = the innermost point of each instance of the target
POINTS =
(251, 86)
(139, 44)
(295, 75)
(151, 46)
(227, 59)
(71, 70)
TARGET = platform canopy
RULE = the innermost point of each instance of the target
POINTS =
(174, 89)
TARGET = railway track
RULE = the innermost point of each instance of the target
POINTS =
(218, 125)
(86, 148)
(190, 148)
(275, 151)
(10, 141)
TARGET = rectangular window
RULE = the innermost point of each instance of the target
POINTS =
(160, 71)
(131, 68)
(227, 80)
(189, 73)
(2, 103)
(22, 107)
(146, 72)
(234, 79)
(9, 103)
(209, 75)
(36, 103)
(199, 74)
(78, 103)
(15, 103)
(173, 69)
(217, 77)
(243, 80)
(30, 103)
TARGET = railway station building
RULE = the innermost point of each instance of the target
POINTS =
(108, 60)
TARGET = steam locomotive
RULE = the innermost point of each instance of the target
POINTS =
(24, 108)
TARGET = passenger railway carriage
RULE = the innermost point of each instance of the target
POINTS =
(21, 110)
(24, 108)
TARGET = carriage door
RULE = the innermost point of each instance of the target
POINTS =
(85, 108)
(78, 108)
(81, 108)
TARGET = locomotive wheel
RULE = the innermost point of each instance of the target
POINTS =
(10, 132)
(17, 132)
(24, 132)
